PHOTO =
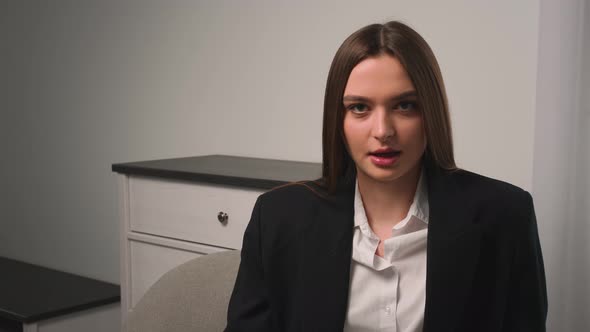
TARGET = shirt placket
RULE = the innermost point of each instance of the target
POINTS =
(388, 310)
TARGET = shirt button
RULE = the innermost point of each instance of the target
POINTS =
(388, 310)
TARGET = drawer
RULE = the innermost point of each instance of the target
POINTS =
(149, 262)
(188, 210)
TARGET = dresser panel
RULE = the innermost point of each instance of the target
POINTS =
(149, 262)
(189, 211)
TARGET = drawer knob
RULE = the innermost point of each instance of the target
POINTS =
(222, 217)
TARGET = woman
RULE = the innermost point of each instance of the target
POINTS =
(393, 237)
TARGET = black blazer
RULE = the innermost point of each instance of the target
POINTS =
(484, 263)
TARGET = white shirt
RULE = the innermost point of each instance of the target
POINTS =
(389, 293)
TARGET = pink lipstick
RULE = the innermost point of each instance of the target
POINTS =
(384, 157)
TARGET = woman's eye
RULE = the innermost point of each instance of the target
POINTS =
(407, 106)
(357, 108)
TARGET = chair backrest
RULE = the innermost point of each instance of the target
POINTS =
(191, 297)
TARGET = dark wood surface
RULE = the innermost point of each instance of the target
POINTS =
(226, 170)
(7, 325)
(30, 293)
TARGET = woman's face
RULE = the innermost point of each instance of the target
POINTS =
(383, 124)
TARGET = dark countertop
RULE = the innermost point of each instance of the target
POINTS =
(30, 293)
(226, 170)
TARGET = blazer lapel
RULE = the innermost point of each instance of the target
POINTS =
(452, 250)
(327, 253)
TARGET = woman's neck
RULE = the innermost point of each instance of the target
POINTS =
(387, 203)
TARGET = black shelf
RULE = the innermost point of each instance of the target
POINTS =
(225, 170)
(29, 293)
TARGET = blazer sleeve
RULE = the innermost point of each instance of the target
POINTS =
(249, 307)
(527, 300)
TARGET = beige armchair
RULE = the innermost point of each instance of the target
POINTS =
(192, 297)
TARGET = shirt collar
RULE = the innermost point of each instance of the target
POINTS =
(418, 209)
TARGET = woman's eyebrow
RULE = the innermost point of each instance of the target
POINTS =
(402, 95)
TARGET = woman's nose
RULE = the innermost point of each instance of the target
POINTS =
(383, 128)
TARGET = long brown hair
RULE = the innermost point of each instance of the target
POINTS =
(398, 40)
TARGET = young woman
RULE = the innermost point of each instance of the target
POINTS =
(393, 237)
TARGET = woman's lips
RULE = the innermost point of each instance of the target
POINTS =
(385, 159)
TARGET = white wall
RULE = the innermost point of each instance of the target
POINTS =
(560, 179)
(4, 120)
(11, 122)
(101, 82)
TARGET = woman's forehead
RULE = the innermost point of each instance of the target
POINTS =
(382, 76)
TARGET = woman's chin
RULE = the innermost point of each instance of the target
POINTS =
(384, 174)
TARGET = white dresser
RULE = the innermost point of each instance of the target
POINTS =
(174, 210)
